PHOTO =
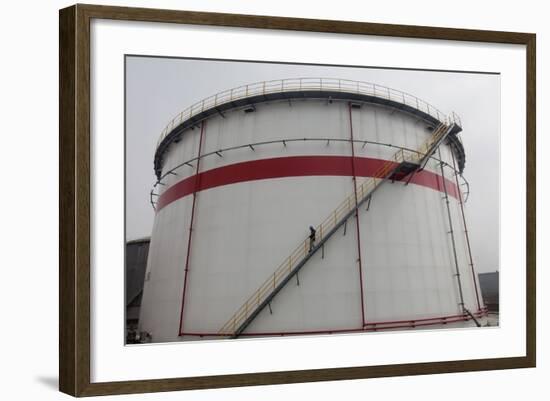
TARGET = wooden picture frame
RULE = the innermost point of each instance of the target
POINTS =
(74, 199)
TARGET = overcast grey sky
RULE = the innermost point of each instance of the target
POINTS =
(159, 88)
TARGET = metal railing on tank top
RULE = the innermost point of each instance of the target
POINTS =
(302, 85)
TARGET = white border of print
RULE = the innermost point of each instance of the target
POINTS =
(112, 361)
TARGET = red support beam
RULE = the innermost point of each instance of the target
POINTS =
(461, 202)
(196, 187)
(372, 326)
(354, 176)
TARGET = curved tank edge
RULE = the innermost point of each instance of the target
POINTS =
(175, 134)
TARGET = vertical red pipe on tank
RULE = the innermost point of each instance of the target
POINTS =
(356, 217)
(187, 258)
(461, 203)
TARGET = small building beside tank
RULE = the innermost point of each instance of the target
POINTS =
(489, 283)
(137, 252)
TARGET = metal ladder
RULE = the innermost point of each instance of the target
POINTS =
(402, 164)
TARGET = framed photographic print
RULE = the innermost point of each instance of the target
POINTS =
(250, 200)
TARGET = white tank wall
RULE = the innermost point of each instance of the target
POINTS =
(243, 231)
(304, 118)
(161, 300)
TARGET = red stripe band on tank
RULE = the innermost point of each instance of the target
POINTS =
(293, 166)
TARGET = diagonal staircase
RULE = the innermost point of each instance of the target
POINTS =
(402, 164)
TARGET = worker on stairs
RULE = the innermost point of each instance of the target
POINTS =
(312, 233)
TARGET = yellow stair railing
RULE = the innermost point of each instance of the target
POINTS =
(303, 249)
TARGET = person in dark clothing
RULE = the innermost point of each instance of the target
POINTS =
(312, 233)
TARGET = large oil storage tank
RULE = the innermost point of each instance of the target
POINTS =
(308, 206)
